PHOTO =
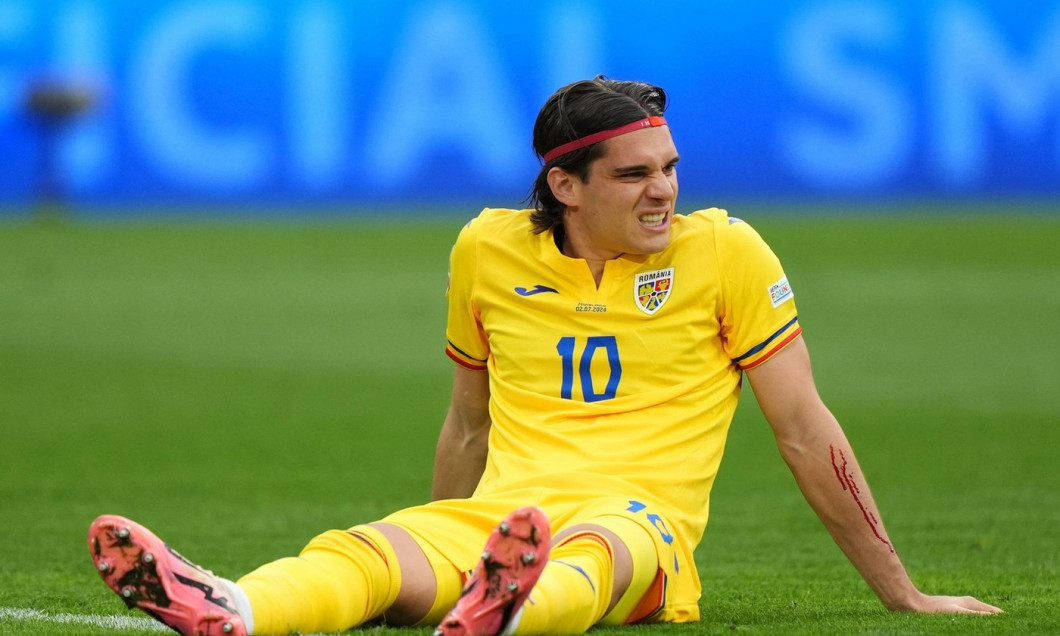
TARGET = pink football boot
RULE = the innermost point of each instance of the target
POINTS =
(515, 554)
(153, 577)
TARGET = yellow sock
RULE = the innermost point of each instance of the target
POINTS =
(574, 589)
(341, 579)
(631, 606)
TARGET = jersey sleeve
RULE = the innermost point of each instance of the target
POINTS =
(467, 343)
(759, 317)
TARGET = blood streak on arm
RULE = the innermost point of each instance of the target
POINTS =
(846, 480)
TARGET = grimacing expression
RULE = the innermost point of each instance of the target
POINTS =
(626, 204)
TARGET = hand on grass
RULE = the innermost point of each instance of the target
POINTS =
(951, 605)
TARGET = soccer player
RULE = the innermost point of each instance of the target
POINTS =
(600, 342)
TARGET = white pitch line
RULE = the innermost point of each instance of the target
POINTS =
(108, 622)
(123, 623)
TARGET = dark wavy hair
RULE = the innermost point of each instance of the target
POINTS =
(577, 110)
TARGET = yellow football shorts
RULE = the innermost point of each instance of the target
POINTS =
(452, 532)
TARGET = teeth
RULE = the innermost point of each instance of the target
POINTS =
(653, 219)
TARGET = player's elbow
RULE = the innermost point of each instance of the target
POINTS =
(805, 428)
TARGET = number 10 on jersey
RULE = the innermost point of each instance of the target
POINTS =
(568, 351)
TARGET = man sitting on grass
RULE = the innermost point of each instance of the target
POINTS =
(600, 342)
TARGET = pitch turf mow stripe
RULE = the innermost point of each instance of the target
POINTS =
(113, 623)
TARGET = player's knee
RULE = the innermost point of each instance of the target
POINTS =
(620, 556)
(635, 560)
(417, 586)
(643, 569)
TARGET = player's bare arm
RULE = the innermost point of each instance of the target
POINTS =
(815, 448)
(460, 456)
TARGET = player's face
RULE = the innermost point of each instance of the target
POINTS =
(627, 203)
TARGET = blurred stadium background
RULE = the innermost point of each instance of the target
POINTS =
(423, 105)
(224, 227)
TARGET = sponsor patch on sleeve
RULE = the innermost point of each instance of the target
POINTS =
(780, 292)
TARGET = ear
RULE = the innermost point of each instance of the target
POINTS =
(563, 186)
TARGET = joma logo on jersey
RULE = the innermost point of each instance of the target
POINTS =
(651, 290)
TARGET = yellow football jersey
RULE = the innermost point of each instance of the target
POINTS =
(626, 390)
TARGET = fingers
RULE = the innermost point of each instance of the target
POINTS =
(980, 607)
(964, 605)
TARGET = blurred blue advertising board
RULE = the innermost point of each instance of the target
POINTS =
(315, 101)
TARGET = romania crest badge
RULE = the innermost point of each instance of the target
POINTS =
(651, 290)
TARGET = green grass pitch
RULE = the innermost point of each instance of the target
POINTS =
(241, 386)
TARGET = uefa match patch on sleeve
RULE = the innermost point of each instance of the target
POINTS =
(780, 292)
